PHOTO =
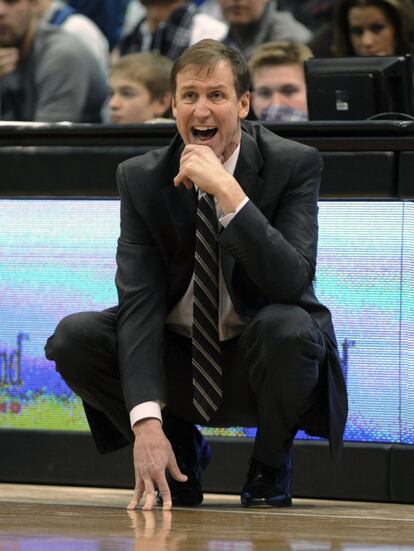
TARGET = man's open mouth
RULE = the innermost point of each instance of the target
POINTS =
(204, 133)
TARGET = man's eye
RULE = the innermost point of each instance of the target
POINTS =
(188, 96)
(264, 93)
(216, 95)
(289, 90)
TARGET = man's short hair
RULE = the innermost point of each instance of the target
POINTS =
(150, 69)
(279, 53)
(208, 53)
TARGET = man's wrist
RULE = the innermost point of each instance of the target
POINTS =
(146, 410)
(230, 196)
(145, 424)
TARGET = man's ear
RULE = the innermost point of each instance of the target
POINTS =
(163, 104)
(252, 102)
(174, 107)
(244, 105)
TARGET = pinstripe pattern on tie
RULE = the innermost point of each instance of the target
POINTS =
(207, 369)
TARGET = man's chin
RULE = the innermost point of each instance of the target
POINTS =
(212, 143)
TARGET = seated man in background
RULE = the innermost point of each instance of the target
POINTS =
(45, 73)
(278, 81)
(108, 15)
(217, 322)
(253, 22)
(169, 27)
(59, 13)
(140, 89)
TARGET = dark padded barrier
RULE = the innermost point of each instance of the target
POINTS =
(362, 472)
(359, 175)
(402, 474)
(71, 458)
(362, 160)
(62, 170)
(375, 472)
(406, 175)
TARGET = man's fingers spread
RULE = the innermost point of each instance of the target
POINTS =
(149, 500)
(132, 504)
(166, 495)
(149, 493)
(166, 505)
(136, 498)
(175, 471)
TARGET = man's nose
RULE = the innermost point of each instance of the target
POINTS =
(114, 102)
(278, 98)
(202, 108)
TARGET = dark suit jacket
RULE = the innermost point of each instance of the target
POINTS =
(268, 255)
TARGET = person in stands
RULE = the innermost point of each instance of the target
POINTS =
(45, 73)
(140, 89)
(278, 81)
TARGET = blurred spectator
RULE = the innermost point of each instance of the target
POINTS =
(373, 27)
(170, 27)
(212, 7)
(135, 12)
(140, 88)
(278, 81)
(45, 73)
(312, 13)
(58, 12)
(107, 14)
(253, 22)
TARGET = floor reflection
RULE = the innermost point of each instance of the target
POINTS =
(216, 526)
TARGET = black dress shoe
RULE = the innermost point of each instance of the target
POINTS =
(266, 486)
(193, 454)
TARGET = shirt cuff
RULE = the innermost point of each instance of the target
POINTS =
(227, 218)
(144, 411)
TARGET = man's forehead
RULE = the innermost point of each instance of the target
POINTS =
(290, 70)
(203, 72)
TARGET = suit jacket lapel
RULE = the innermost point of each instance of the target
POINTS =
(248, 166)
(179, 202)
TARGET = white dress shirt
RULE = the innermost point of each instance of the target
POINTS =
(180, 318)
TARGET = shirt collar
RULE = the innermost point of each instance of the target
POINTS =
(230, 164)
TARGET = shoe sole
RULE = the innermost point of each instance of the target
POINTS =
(265, 502)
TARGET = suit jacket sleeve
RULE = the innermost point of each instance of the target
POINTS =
(274, 241)
(141, 286)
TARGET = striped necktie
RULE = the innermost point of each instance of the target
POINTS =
(207, 370)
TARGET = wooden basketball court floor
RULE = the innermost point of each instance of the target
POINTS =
(58, 518)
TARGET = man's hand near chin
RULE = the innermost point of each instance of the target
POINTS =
(200, 165)
(9, 58)
(153, 454)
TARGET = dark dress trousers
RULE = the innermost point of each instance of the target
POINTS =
(283, 373)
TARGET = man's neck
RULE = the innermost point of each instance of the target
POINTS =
(242, 34)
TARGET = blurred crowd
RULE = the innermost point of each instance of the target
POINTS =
(110, 60)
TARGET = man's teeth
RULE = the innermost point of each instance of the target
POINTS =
(204, 133)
